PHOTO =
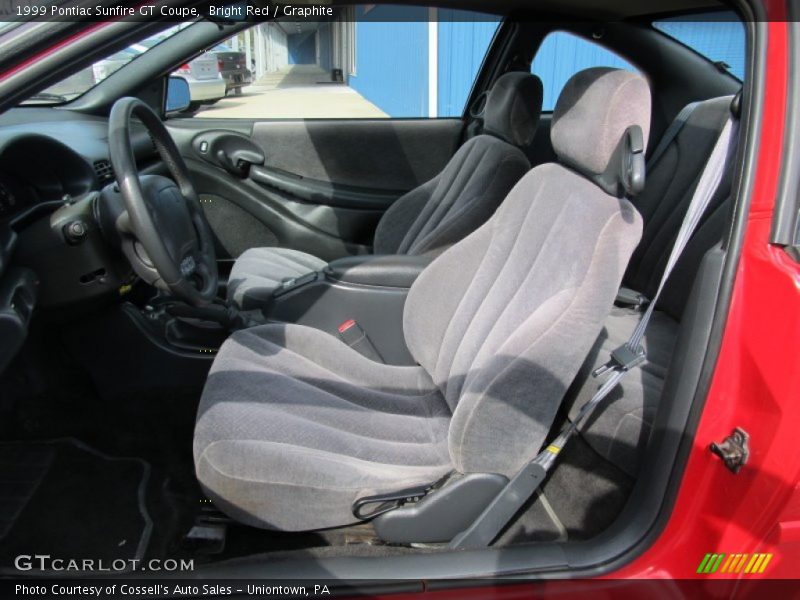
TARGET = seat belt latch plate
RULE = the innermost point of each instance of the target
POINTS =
(623, 358)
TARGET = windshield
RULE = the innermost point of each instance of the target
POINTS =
(85, 79)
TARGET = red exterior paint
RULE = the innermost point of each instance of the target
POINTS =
(51, 50)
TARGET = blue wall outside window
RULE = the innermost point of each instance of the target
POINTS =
(464, 38)
(719, 37)
(392, 55)
(563, 54)
(392, 59)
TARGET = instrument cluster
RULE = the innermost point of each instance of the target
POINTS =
(10, 201)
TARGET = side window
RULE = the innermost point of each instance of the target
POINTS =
(370, 61)
(563, 54)
(718, 36)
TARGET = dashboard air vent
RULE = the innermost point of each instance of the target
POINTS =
(104, 171)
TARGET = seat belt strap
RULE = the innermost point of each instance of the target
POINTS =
(672, 132)
(628, 356)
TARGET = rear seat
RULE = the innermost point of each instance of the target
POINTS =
(620, 427)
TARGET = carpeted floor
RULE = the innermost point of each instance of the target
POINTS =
(68, 500)
(581, 497)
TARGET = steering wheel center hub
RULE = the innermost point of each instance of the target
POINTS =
(164, 216)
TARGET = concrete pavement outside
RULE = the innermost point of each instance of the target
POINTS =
(297, 92)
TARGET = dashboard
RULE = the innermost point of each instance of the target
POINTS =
(36, 169)
(52, 164)
(48, 154)
(8, 198)
(53, 252)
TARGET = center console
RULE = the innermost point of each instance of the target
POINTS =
(359, 299)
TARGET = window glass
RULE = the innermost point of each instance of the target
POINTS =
(369, 61)
(84, 80)
(719, 36)
(563, 54)
(430, 65)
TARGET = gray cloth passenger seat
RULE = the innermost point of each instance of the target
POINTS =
(435, 215)
(621, 427)
(294, 426)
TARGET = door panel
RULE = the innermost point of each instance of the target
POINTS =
(322, 186)
(232, 205)
(388, 154)
(323, 192)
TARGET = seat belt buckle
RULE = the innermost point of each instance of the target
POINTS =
(352, 334)
(623, 358)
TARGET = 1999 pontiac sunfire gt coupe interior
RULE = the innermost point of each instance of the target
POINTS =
(247, 329)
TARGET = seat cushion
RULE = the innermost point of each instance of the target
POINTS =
(258, 272)
(620, 427)
(294, 425)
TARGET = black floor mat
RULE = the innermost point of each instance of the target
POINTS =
(68, 500)
(580, 498)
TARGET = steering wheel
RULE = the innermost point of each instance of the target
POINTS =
(172, 246)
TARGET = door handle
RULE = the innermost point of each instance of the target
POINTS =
(238, 161)
(233, 152)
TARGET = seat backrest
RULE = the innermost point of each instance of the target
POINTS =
(671, 182)
(478, 177)
(503, 320)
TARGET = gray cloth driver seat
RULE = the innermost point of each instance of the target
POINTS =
(293, 425)
(434, 215)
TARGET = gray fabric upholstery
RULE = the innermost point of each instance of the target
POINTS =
(294, 425)
(456, 202)
(593, 111)
(503, 320)
(259, 271)
(443, 210)
(513, 108)
(621, 427)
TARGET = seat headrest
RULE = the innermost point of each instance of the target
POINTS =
(513, 108)
(600, 127)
